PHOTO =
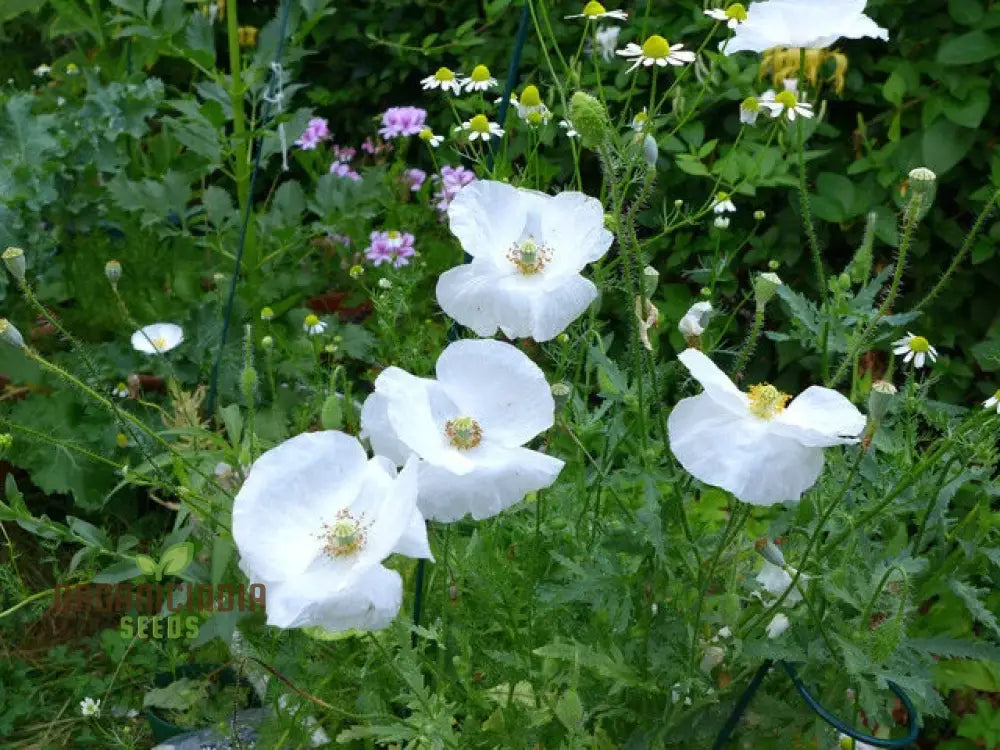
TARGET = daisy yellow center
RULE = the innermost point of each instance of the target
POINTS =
(996, 394)
(750, 104)
(721, 196)
(530, 96)
(480, 74)
(463, 432)
(345, 536)
(311, 320)
(535, 118)
(529, 257)
(766, 401)
(788, 99)
(426, 134)
(656, 47)
(920, 345)
(737, 11)
(159, 343)
(640, 119)
(479, 124)
(444, 75)
(593, 9)
(393, 235)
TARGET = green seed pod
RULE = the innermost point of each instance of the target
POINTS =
(650, 280)
(331, 416)
(765, 286)
(879, 399)
(589, 118)
(560, 394)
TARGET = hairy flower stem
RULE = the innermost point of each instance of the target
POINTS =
(910, 223)
(931, 502)
(866, 613)
(751, 343)
(962, 252)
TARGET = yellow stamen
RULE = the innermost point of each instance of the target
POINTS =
(463, 432)
(766, 401)
(345, 536)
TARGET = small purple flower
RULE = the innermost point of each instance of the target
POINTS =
(402, 121)
(344, 170)
(317, 130)
(451, 180)
(344, 153)
(414, 178)
(390, 247)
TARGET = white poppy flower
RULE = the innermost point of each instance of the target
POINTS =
(993, 402)
(750, 443)
(607, 40)
(775, 580)
(444, 79)
(480, 127)
(778, 625)
(813, 24)
(786, 103)
(695, 320)
(732, 16)
(157, 338)
(915, 348)
(655, 51)
(594, 11)
(90, 707)
(468, 427)
(527, 252)
(313, 522)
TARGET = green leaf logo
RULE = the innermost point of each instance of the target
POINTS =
(173, 562)
(146, 564)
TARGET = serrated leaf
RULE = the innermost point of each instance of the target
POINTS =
(955, 648)
(979, 611)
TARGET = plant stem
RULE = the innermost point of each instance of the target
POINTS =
(931, 502)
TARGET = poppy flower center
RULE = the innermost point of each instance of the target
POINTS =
(593, 9)
(480, 74)
(159, 343)
(463, 432)
(345, 536)
(479, 124)
(920, 345)
(766, 401)
(787, 99)
(737, 11)
(656, 47)
(529, 257)
(444, 75)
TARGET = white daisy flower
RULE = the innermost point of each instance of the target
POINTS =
(568, 127)
(695, 320)
(916, 349)
(607, 40)
(778, 625)
(444, 79)
(313, 522)
(43, 70)
(157, 338)
(427, 136)
(723, 204)
(732, 16)
(479, 80)
(721, 222)
(750, 443)
(813, 24)
(467, 427)
(594, 11)
(749, 110)
(530, 106)
(655, 51)
(527, 252)
(786, 103)
(120, 390)
(479, 127)
(313, 326)
(993, 402)
(640, 121)
(90, 707)
(776, 580)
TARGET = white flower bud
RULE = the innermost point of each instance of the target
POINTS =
(695, 320)
(650, 151)
(10, 334)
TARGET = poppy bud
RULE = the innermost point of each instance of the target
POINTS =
(590, 119)
(13, 258)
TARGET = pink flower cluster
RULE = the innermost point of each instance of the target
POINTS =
(344, 153)
(317, 130)
(413, 178)
(390, 247)
(343, 169)
(370, 147)
(398, 122)
(451, 180)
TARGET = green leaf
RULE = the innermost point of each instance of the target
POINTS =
(944, 144)
(123, 570)
(970, 112)
(966, 12)
(968, 49)
(88, 533)
(179, 695)
(146, 564)
(894, 88)
(979, 611)
(177, 558)
(955, 648)
(569, 709)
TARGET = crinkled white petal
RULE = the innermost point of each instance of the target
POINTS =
(504, 480)
(487, 217)
(573, 227)
(465, 294)
(378, 431)
(524, 309)
(290, 491)
(739, 454)
(499, 386)
(716, 383)
(820, 417)
(813, 24)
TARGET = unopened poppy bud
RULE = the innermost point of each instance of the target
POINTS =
(384, 284)
(650, 151)
(589, 118)
(560, 394)
(765, 286)
(331, 416)
(266, 314)
(844, 281)
(921, 179)
(113, 270)
(923, 183)
(650, 280)
(759, 215)
(611, 222)
(13, 258)
(679, 203)
(10, 334)
(879, 399)
(769, 551)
